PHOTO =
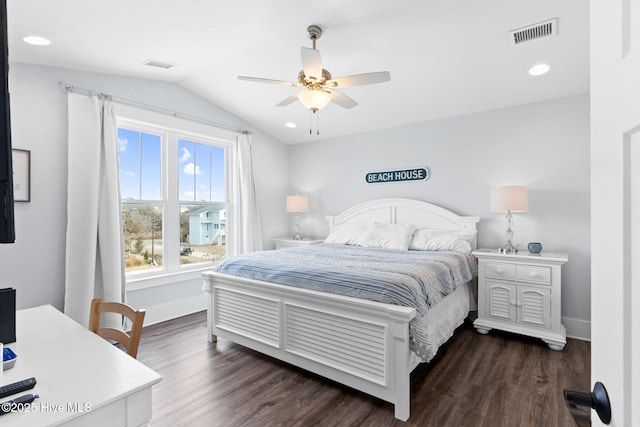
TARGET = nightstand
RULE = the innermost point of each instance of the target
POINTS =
(521, 293)
(288, 242)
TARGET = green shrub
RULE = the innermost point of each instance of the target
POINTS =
(139, 245)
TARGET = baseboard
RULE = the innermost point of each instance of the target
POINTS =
(577, 328)
(163, 312)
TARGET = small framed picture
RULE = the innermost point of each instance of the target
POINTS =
(21, 175)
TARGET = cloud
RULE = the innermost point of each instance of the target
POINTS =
(122, 144)
(186, 155)
(191, 169)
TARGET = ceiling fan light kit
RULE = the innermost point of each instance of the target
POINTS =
(314, 99)
(317, 82)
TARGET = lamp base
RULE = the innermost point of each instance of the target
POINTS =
(508, 249)
(297, 235)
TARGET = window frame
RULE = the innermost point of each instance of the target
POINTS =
(171, 130)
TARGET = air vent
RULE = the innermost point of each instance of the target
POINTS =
(535, 31)
(158, 64)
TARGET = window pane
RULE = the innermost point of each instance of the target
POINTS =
(186, 170)
(202, 233)
(140, 163)
(129, 151)
(143, 231)
(217, 174)
(201, 172)
(151, 185)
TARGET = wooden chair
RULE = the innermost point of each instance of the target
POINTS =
(128, 341)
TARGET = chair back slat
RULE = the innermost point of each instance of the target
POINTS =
(129, 341)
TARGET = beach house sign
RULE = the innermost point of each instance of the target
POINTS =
(417, 174)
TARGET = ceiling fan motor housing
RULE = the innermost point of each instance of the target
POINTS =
(314, 32)
(306, 81)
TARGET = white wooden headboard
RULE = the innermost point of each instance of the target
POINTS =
(405, 211)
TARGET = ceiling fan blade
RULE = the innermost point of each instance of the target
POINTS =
(311, 63)
(291, 99)
(271, 81)
(342, 100)
(360, 79)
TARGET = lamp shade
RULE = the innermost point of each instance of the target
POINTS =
(314, 99)
(514, 198)
(297, 203)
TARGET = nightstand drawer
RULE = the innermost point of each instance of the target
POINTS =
(288, 242)
(494, 269)
(534, 274)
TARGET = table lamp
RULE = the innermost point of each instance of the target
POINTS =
(509, 199)
(297, 204)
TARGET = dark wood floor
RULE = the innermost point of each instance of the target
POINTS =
(476, 380)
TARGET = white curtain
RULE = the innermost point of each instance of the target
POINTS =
(249, 233)
(95, 246)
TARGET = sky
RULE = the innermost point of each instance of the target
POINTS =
(200, 168)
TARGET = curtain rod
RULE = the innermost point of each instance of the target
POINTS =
(67, 88)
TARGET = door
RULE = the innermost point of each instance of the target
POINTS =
(534, 306)
(501, 299)
(615, 206)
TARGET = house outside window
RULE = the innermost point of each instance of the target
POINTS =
(175, 181)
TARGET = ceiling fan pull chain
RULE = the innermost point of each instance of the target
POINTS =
(314, 111)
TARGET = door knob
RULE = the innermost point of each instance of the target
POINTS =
(598, 399)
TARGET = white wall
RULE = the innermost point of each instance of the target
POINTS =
(544, 146)
(35, 263)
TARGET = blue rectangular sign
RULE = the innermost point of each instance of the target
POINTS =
(418, 174)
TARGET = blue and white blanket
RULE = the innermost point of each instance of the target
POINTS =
(418, 279)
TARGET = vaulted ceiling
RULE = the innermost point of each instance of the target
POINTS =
(446, 57)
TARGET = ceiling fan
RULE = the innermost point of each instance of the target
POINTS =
(319, 86)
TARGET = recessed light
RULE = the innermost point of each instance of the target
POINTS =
(290, 125)
(36, 40)
(539, 69)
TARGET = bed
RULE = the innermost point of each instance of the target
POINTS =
(365, 344)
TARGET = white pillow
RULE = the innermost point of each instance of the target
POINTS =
(346, 234)
(389, 236)
(458, 240)
(420, 238)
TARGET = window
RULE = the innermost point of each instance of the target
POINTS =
(174, 185)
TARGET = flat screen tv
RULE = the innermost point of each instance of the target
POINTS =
(7, 228)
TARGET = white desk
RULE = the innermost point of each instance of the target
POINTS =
(82, 379)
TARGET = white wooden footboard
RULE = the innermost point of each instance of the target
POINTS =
(359, 343)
